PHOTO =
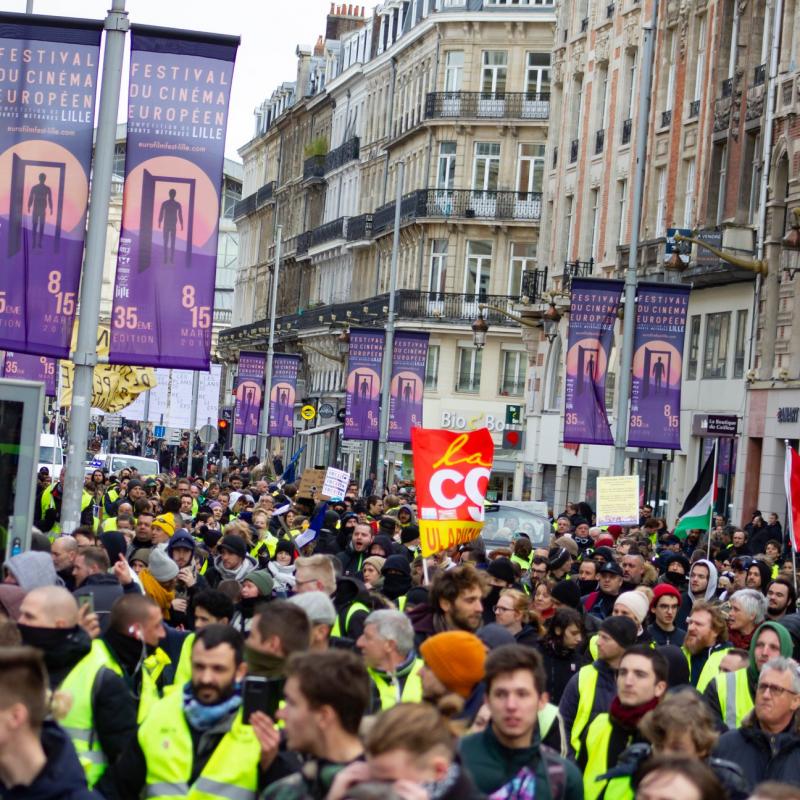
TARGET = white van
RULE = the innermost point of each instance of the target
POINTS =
(51, 454)
(114, 462)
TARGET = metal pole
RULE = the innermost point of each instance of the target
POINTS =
(386, 377)
(206, 448)
(629, 324)
(192, 421)
(263, 432)
(84, 357)
(29, 6)
(146, 420)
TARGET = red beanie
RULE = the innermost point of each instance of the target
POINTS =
(664, 588)
(615, 531)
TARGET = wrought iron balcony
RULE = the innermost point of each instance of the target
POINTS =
(343, 154)
(760, 75)
(576, 269)
(245, 206)
(627, 127)
(599, 141)
(410, 205)
(534, 282)
(329, 232)
(573, 151)
(694, 109)
(359, 228)
(303, 243)
(727, 87)
(666, 118)
(314, 168)
(472, 204)
(508, 105)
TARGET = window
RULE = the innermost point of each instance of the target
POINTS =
(118, 169)
(486, 166)
(432, 368)
(671, 74)
(751, 169)
(494, 72)
(661, 202)
(715, 354)
(469, 370)
(741, 339)
(716, 199)
(232, 194)
(446, 173)
(688, 198)
(479, 267)
(438, 268)
(694, 348)
(622, 230)
(700, 64)
(602, 98)
(523, 258)
(568, 227)
(530, 169)
(453, 70)
(595, 204)
(512, 377)
(630, 63)
(537, 75)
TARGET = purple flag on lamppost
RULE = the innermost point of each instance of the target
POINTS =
(26, 367)
(177, 112)
(408, 384)
(249, 387)
(655, 418)
(283, 394)
(363, 401)
(48, 82)
(593, 312)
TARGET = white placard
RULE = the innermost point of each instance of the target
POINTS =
(336, 482)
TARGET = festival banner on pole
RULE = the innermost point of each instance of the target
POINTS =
(451, 472)
(48, 82)
(283, 394)
(655, 418)
(178, 97)
(593, 312)
(25, 367)
(410, 352)
(363, 402)
(248, 392)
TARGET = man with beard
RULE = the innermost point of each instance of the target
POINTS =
(233, 562)
(63, 551)
(600, 604)
(703, 578)
(781, 598)
(353, 556)
(101, 720)
(758, 575)
(705, 644)
(195, 740)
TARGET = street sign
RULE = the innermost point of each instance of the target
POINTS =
(174, 436)
(513, 415)
(159, 431)
(718, 426)
(208, 434)
(703, 256)
(112, 421)
(308, 412)
(671, 246)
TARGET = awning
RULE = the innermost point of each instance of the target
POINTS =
(320, 429)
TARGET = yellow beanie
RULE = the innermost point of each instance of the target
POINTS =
(457, 659)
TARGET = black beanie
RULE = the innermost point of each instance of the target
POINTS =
(621, 629)
(501, 569)
(568, 593)
(557, 557)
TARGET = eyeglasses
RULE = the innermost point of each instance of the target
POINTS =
(775, 691)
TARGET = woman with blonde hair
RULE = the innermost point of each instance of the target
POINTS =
(513, 612)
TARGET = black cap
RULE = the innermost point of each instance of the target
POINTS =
(611, 567)
(557, 557)
(233, 543)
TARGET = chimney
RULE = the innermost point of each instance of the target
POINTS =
(319, 47)
(333, 8)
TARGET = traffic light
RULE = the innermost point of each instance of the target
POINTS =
(224, 428)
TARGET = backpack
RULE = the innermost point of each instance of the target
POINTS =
(523, 785)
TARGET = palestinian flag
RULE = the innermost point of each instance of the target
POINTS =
(699, 505)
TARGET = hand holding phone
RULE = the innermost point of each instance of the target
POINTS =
(261, 694)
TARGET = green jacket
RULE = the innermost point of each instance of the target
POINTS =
(493, 765)
(313, 782)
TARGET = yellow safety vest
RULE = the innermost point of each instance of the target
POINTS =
(587, 686)
(735, 700)
(337, 628)
(401, 602)
(183, 672)
(598, 738)
(388, 689)
(710, 668)
(48, 502)
(547, 716)
(524, 565)
(269, 541)
(165, 739)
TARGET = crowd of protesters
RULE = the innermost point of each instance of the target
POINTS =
(227, 637)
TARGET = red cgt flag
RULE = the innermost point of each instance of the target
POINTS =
(791, 477)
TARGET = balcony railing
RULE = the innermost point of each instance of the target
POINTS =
(727, 87)
(303, 243)
(694, 109)
(584, 24)
(329, 232)
(223, 316)
(599, 141)
(508, 105)
(383, 218)
(760, 75)
(610, 11)
(470, 204)
(666, 118)
(343, 154)
(245, 206)
(573, 151)
(534, 282)
(359, 228)
(576, 269)
(314, 168)
(627, 127)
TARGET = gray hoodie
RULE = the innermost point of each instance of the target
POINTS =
(713, 578)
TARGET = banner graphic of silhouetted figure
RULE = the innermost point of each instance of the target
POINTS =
(40, 202)
(248, 393)
(410, 354)
(362, 404)
(169, 217)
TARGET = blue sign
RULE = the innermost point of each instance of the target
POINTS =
(159, 431)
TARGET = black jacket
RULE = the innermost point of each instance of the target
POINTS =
(62, 777)
(105, 589)
(351, 561)
(559, 666)
(349, 591)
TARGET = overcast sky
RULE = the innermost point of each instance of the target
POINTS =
(270, 32)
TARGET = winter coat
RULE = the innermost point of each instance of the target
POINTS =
(560, 666)
(105, 589)
(244, 569)
(283, 575)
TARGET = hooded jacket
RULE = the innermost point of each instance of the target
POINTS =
(239, 574)
(349, 591)
(689, 599)
(105, 589)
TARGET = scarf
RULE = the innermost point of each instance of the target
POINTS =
(741, 640)
(437, 789)
(202, 717)
(629, 717)
(264, 665)
(157, 592)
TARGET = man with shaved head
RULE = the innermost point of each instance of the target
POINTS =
(102, 718)
(63, 550)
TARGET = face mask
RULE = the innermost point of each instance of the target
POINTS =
(396, 585)
(583, 541)
(675, 578)
(587, 587)
(264, 665)
(44, 638)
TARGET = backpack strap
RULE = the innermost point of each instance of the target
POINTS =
(556, 771)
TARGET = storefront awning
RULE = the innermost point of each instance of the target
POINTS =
(320, 429)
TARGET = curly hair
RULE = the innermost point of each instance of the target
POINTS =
(680, 712)
(450, 584)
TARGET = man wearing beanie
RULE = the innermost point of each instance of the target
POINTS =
(233, 562)
(454, 665)
(321, 614)
(567, 594)
(501, 576)
(559, 562)
(158, 582)
(666, 603)
(590, 691)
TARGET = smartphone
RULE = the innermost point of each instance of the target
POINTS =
(86, 600)
(261, 694)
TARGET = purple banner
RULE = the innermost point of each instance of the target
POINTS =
(593, 312)
(248, 392)
(363, 403)
(283, 394)
(726, 457)
(177, 112)
(655, 418)
(409, 354)
(25, 367)
(48, 81)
